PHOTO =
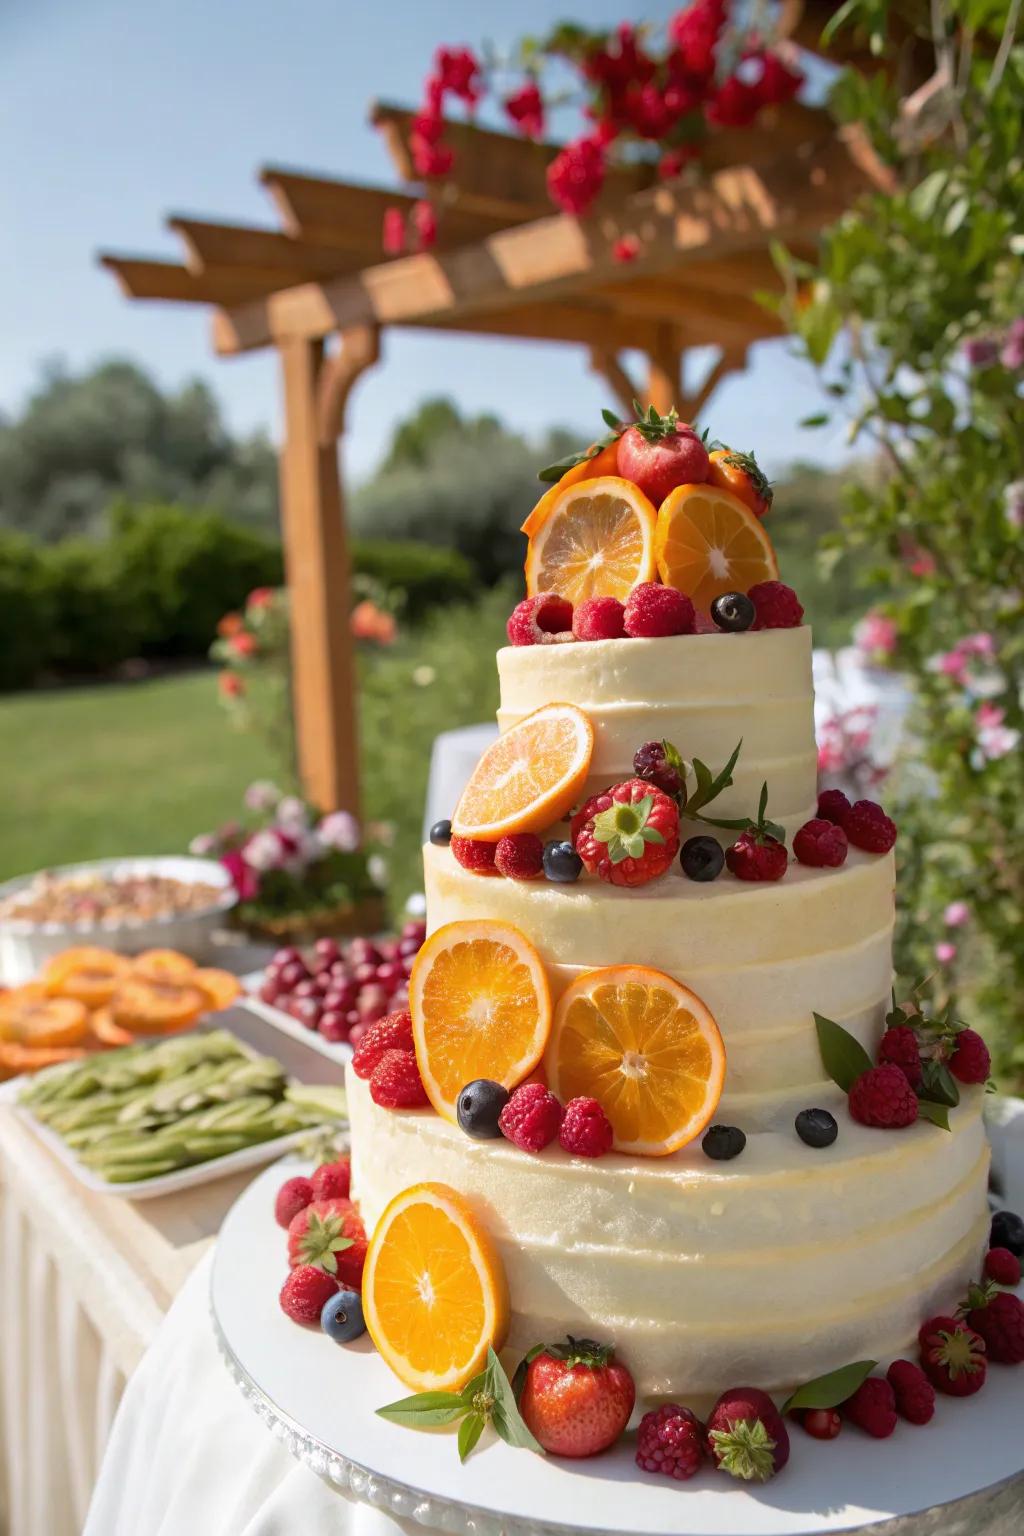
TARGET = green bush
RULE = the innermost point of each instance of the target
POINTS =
(97, 620)
(421, 578)
(26, 611)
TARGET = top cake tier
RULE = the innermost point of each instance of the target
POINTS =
(702, 692)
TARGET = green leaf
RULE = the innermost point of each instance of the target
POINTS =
(939, 1085)
(610, 419)
(819, 419)
(708, 787)
(832, 1389)
(925, 197)
(842, 1055)
(470, 1430)
(425, 1410)
(519, 1379)
(938, 1114)
(505, 1415)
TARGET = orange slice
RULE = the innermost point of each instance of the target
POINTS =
(16, 1059)
(604, 463)
(646, 1048)
(82, 957)
(164, 965)
(530, 777)
(219, 987)
(29, 1017)
(480, 1006)
(91, 977)
(597, 540)
(106, 1032)
(155, 1007)
(434, 1291)
(708, 542)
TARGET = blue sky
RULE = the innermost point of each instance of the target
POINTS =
(116, 112)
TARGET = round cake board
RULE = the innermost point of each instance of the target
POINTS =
(320, 1399)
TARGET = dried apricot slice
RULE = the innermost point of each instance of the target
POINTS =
(163, 965)
(82, 957)
(220, 987)
(15, 1058)
(91, 980)
(155, 1007)
(29, 1017)
(107, 1032)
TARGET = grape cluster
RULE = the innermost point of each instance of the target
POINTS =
(338, 990)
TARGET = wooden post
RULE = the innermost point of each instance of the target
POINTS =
(665, 370)
(319, 577)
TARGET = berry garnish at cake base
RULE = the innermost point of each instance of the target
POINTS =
(329, 1235)
(532, 1118)
(776, 606)
(659, 453)
(342, 1317)
(759, 853)
(628, 835)
(733, 613)
(953, 1356)
(873, 1408)
(670, 1442)
(747, 1436)
(998, 1318)
(1007, 1231)
(821, 844)
(529, 778)
(913, 1392)
(519, 856)
(305, 1293)
(741, 474)
(661, 764)
(575, 1398)
(654, 612)
(1002, 1267)
(599, 618)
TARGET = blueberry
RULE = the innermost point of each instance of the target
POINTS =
(733, 612)
(723, 1142)
(342, 1317)
(562, 863)
(441, 834)
(480, 1104)
(702, 858)
(817, 1127)
(1008, 1232)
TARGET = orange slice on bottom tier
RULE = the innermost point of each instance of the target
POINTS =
(530, 777)
(707, 542)
(646, 1048)
(604, 462)
(434, 1291)
(480, 1006)
(597, 540)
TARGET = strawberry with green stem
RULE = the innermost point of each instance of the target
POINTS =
(629, 834)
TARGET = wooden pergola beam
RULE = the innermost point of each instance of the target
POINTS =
(146, 277)
(208, 244)
(734, 210)
(349, 217)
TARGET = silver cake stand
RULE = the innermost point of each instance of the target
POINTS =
(962, 1475)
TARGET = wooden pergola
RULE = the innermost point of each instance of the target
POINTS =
(317, 289)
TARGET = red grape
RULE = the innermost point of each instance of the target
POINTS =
(334, 1025)
(362, 952)
(292, 973)
(365, 972)
(389, 973)
(270, 990)
(305, 988)
(287, 956)
(306, 1010)
(356, 1032)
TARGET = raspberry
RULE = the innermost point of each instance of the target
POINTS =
(599, 618)
(873, 1407)
(1002, 1266)
(472, 853)
(868, 827)
(628, 835)
(519, 856)
(304, 1293)
(970, 1061)
(391, 1033)
(882, 1097)
(332, 1181)
(999, 1320)
(776, 606)
(833, 806)
(670, 1440)
(536, 619)
(293, 1197)
(915, 1395)
(653, 611)
(821, 844)
(899, 1047)
(757, 858)
(952, 1356)
(531, 1118)
(396, 1082)
(585, 1131)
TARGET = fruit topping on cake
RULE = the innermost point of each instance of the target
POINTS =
(597, 540)
(562, 864)
(816, 1127)
(323, 1233)
(576, 1398)
(293, 1197)
(393, 1032)
(868, 827)
(646, 1048)
(539, 620)
(900, 1047)
(670, 1442)
(474, 853)
(395, 1082)
(723, 1142)
(776, 606)
(953, 1356)
(305, 1293)
(342, 1317)
(519, 856)
(882, 1097)
(659, 453)
(654, 612)
(733, 613)
(532, 1118)
(997, 1317)
(660, 763)
(821, 1423)
(599, 618)
(914, 1393)
(708, 543)
(820, 844)
(1007, 1231)
(702, 858)
(741, 474)
(629, 834)
(759, 853)
(529, 778)
(747, 1435)
(1002, 1266)
(873, 1407)
(481, 1007)
(441, 833)
(970, 1061)
(585, 1130)
(479, 1108)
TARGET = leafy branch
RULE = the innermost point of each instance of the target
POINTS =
(487, 1400)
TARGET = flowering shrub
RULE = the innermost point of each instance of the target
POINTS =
(914, 319)
(642, 95)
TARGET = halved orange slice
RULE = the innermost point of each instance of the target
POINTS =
(606, 462)
(530, 777)
(480, 1006)
(434, 1291)
(707, 542)
(646, 1048)
(29, 1017)
(164, 965)
(219, 987)
(596, 540)
(149, 1007)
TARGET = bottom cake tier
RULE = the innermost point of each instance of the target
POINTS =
(774, 1270)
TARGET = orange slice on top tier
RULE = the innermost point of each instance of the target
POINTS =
(606, 462)
(530, 777)
(434, 1291)
(707, 542)
(596, 540)
(646, 1048)
(480, 1006)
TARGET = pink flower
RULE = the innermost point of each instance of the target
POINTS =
(369, 622)
(264, 851)
(956, 914)
(945, 953)
(981, 644)
(952, 664)
(424, 218)
(988, 716)
(261, 795)
(876, 634)
(919, 561)
(339, 830)
(243, 877)
(998, 742)
(202, 846)
(292, 813)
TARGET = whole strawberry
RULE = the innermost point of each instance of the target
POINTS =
(304, 1293)
(670, 1441)
(998, 1316)
(660, 452)
(915, 1395)
(293, 1197)
(329, 1235)
(970, 1061)
(628, 835)
(747, 1435)
(899, 1047)
(873, 1407)
(953, 1356)
(882, 1097)
(577, 1398)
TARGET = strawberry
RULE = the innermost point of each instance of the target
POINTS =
(998, 1317)
(747, 1436)
(660, 452)
(304, 1293)
(576, 1398)
(628, 835)
(329, 1235)
(953, 1356)
(293, 1197)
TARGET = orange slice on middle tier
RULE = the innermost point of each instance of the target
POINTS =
(530, 777)
(480, 1006)
(646, 1048)
(707, 542)
(597, 540)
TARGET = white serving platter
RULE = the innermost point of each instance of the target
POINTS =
(336, 1051)
(964, 1472)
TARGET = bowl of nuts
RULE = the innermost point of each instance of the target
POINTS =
(126, 905)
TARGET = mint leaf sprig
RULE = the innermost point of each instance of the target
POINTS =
(761, 827)
(709, 785)
(487, 1399)
(845, 1059)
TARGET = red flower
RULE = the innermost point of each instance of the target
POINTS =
(673, 161)
(626, 248)
(260, 597)
(394, 232)
(229, 625)
(428, 125)
(734, 104)
(244, 644)
(459, 72)
(778, 82)
(433, 92)
(695, 32)
(576, 176)
(424, 218)
(230, 685)
(430, 160)
(621, 64)
(243, 877)
(525, 109)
